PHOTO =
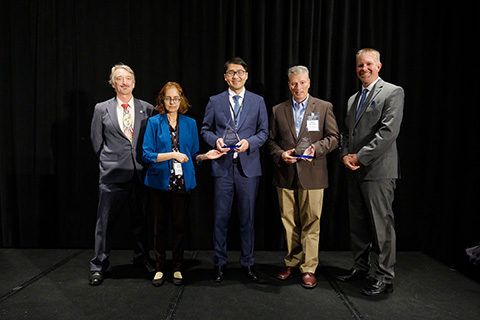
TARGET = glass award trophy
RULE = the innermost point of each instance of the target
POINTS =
(230, 136)
(303, 149)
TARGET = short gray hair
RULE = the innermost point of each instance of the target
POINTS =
(120, 65)
(298, 70)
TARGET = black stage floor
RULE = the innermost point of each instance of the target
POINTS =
(52, 284)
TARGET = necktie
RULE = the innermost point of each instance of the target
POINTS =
(127, 122)
(236, 109)
(362, 100)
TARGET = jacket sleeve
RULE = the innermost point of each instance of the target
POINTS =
(261, 133)
(208, 125)
(330, 139)
(195, 142)
(149, 143)
(96, 130)
(275, 150)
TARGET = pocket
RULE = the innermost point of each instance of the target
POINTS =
(108, 157)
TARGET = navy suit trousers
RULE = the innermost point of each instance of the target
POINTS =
(235, 183)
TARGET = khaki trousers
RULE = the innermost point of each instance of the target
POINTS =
(300, 211)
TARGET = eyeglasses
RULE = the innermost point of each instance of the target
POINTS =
(231, 73)
(175, 100)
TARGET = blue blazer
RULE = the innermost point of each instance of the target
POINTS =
(252, 126)
(157, 140)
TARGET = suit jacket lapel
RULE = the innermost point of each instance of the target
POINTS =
(308, 109)
(245, 107)
(371, 96)
(353, 110)
(112, 111)
(165, 131)
(139, 117)
(182, 132)
(226, 108)
(288, 109)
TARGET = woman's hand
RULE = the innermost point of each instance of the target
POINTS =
(180, 157)
(214, 154)
(210, 155)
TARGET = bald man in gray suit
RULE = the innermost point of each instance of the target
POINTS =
(369, 152)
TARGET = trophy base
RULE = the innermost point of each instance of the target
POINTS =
(301, 156)
(230, 147)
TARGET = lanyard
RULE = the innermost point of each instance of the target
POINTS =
(235, 115)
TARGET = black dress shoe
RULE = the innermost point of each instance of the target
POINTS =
(353, 274)
(378, 287)
(250, 273)
(219, 270)
(95, 278)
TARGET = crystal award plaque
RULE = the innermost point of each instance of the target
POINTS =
(303, 149)
(230, 136)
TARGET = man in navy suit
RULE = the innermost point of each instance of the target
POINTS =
(238, 172)
(117, 130)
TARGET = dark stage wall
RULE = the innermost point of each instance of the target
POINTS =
(55, 59)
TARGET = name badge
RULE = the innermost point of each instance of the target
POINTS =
(313, 122)
(177, 168)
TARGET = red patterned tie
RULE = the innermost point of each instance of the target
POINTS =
(127, 122)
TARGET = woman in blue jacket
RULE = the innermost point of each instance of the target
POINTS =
(170, 147)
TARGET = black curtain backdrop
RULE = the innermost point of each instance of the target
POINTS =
(55, 60)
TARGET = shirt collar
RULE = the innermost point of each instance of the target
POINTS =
(130, 102)
(231, 93)
(370, 87)
(302, 104)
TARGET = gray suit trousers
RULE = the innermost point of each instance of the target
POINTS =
(372, 225)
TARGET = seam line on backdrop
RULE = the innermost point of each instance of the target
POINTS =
(343, 297)
(17, 289)
(177, 296)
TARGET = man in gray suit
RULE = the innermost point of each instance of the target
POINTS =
(117, 130)
(369, 151)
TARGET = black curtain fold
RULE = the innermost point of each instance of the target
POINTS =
(55, 61)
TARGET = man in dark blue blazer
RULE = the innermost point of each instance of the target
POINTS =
(238, 172)
(117, 130)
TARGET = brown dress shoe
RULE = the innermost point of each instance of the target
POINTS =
(286, 273)
(308, 280)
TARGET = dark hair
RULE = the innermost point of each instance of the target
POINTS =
(160, 104)
(236, 60)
